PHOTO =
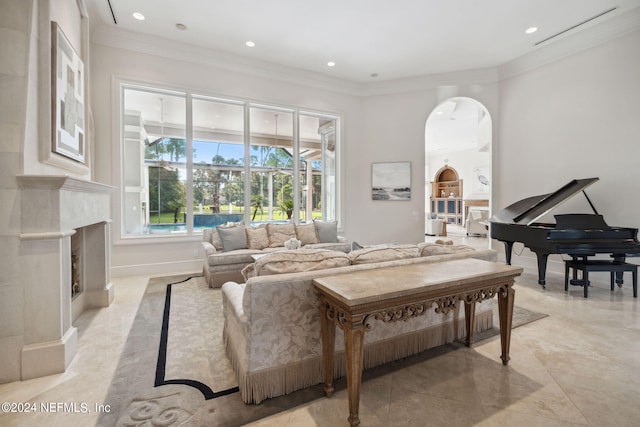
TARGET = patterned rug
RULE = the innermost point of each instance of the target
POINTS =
(173, 369)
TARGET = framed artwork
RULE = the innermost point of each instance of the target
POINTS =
(481, 184)
(391, 181)
(67, 92)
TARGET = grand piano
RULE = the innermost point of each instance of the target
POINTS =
(578, 235)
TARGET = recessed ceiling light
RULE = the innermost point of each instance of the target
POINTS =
(531, 30)
(331, 64)
(249, 43)
(138, 16)
(181, 26)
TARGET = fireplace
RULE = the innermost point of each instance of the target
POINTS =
(64, 221)
(76, 264)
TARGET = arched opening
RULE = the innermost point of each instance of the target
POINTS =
(458, 147)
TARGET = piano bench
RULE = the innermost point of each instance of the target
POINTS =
(612, 267)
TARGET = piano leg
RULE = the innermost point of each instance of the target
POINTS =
(542, 267)
(508, 247)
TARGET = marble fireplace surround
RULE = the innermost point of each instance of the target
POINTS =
(55, 207)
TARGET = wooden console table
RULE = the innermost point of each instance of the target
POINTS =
(353, 301)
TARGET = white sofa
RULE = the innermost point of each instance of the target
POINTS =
(228, 249)
(272, 325)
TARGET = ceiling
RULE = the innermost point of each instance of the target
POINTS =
(368, 40)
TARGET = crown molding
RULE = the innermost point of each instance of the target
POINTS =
(565, 45)
(431, 81)
(573, 42)
(170, 49)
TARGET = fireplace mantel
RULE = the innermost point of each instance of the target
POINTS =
(60, 203)
(53, 209)
(61, 182)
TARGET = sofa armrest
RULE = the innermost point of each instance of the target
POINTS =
(233, 293)
(209, 249)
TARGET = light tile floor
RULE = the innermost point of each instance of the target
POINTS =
(577, 367)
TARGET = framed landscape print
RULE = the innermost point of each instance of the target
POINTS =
(391, 181)
(67, 92)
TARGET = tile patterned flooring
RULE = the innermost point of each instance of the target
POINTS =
(577, 367)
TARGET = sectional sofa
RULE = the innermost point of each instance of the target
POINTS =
(228, 249)
(272, 325)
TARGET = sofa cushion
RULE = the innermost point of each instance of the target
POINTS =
(340, 245)
(211, 235)
(327, 231)
(307, 233)
(429, 249)
(378, 253)
(257, 237)
(298, 260)
(239, 256)
(233, 237)
(280, 233)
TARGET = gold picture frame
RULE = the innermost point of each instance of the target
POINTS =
(67, 97)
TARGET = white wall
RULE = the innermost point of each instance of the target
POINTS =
(394, 130)
(571, 118)
(578, 117)
(160, 255)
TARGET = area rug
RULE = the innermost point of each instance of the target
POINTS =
(173, 370)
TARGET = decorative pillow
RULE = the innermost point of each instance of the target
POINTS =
(307, 234)
(213, 237)
(429, 249)
(327, 231)
(280, 233)
(380, 253)
(295, 261)
(257, 237)
(233, 237)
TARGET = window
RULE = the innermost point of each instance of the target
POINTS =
(191, 161)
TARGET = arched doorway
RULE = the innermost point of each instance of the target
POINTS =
(458, 138)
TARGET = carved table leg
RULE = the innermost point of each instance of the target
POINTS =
(470, 321)
(328, 329)
(354, 347)
(505, 310)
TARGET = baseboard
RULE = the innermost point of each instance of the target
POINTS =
(51, 357)
(156, 269)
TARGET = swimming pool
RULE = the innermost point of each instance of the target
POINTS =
(167, 228)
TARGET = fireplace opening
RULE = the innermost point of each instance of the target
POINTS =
(76, 263)
(75, 274)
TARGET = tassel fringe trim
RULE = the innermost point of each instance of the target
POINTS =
(264, 384)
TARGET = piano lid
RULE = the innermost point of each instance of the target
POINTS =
(550, 201)
(529, 210)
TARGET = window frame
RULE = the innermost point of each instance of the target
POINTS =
(121, 85)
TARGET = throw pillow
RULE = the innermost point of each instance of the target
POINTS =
(307, 234)
(327, 231)
(280, 233)
(379, 253)
(257, 237)
(233, 237)
(296, 261)
(212, 236)
(429, 249)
